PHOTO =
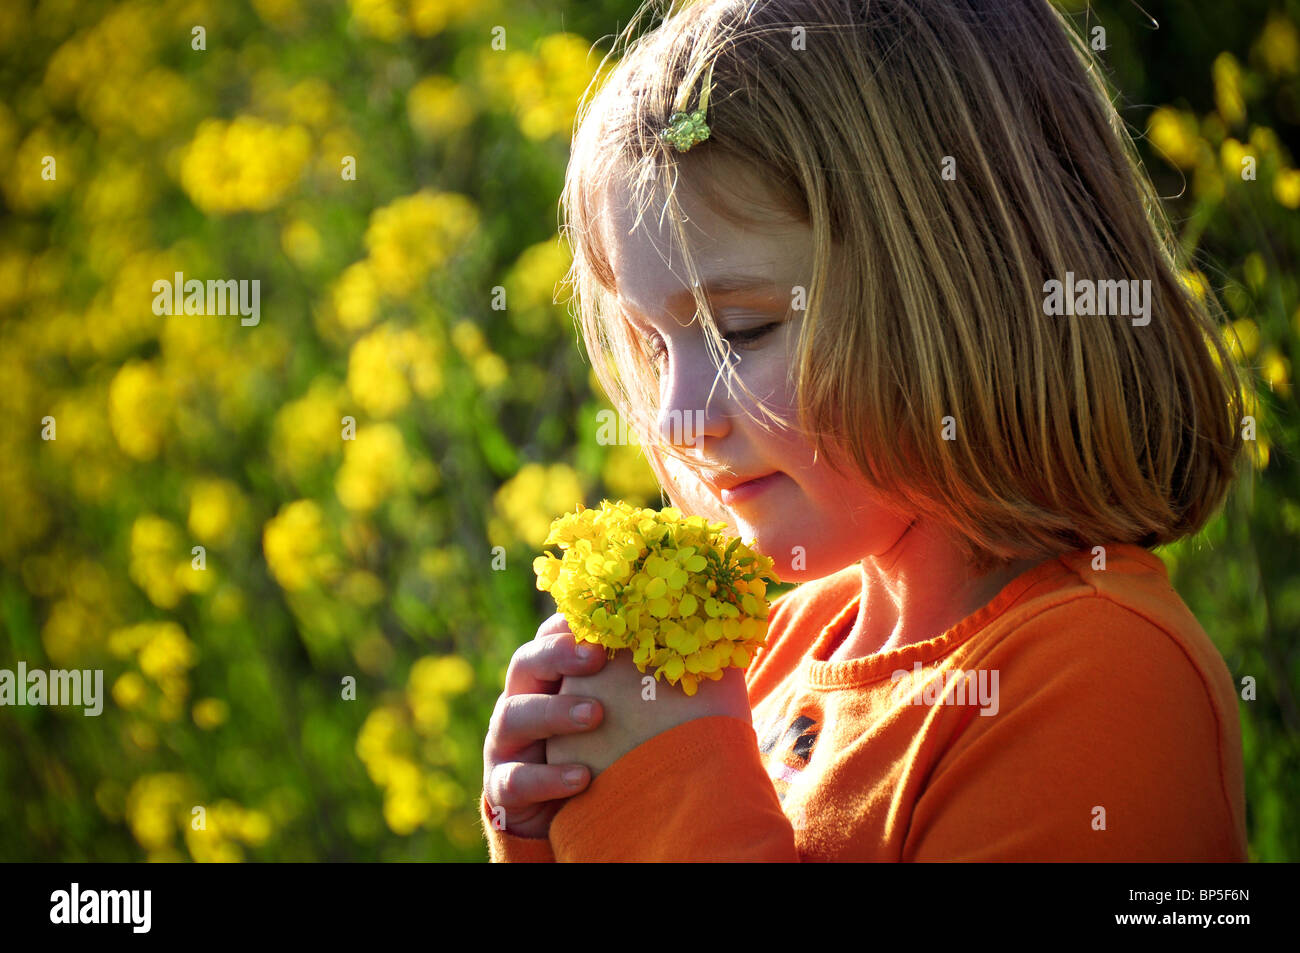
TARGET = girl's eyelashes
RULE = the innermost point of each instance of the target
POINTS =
(750, 335)
(658, 351)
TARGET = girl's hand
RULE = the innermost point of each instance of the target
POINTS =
(516, 775)
(631, 717)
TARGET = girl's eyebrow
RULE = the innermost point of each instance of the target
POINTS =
(718, 288)
(725, 285)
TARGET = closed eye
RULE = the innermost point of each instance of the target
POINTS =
(658, 352)
(749, 335)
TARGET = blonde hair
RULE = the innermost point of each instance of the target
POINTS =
(927, 298)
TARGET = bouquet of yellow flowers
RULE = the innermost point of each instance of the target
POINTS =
(683, 596)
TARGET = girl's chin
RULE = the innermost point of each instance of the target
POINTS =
(797, 555)
(768, 540)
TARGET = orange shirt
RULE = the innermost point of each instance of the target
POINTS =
(1081, 715)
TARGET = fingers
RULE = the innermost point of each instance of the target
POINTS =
(523, 719)
(530, 710)
(516, 786)
(538, 666)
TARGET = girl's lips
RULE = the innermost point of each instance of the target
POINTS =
(748, 491)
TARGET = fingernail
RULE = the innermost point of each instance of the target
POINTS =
(573, 777)
(581, 712)
(586, 652)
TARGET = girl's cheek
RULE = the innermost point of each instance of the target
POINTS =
(767, 382)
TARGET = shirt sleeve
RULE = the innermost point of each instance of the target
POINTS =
(695, 793)
(1110, 744)
(507, 848)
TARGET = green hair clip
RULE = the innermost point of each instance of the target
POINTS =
(685, 129)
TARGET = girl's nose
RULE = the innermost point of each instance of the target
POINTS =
(696, 405)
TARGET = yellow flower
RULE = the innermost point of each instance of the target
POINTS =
(406, 802)
(430, 712)
(1279, 45)
(532, 287)
(310, 102)
(386, 746)
(226, 823)
(164, 654)
(543, 90)
(490, 371)
(383, 736)
(380, 18)
(676, 591)
(118, 190)
(393, 19)
(627, 474)
(525, 502)
(294, 542)
(168, 653)
(301, 242)
(437, 107)
(129, 690)
(1231, 153)
(416, 234)
(1264, 141)
(375, 466)
(159, 560)
(356, 296)
(1196, 284)
(254, 828)
(428, 17)
(1243, 339)
(150, 105)
(431, 680)
(213, 507)
(1227, 89)
(374, 380)
(1286, 188)
(284, 14)
(72, 627)
(210, 713)
(135, 402)
(155, 806)
(1276, 370)
(1175, 136)
(468, 339)
(308, 431)
(245, 164)
(387, 364)
(26, 191)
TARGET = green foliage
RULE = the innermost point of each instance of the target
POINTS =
(325, 558)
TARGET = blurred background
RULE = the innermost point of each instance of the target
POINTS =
(419, 299)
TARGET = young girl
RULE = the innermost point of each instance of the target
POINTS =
(906, 314)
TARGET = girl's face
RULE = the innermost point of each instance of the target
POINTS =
(810, 520)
